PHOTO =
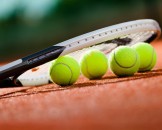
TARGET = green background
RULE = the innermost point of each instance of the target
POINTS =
(27, 26)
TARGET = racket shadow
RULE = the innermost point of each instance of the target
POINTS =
(91, 83)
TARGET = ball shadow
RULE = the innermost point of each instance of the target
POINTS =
(112, 79)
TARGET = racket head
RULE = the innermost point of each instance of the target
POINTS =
(105, 40)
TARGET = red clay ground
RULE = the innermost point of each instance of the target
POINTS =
(110, 103)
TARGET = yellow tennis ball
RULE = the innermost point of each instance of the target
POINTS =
(124, 61)
(94, 64)
(147, 55)
(64, 71)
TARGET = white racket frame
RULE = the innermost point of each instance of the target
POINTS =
(90, 39)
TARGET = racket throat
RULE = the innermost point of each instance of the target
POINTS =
(20, 66)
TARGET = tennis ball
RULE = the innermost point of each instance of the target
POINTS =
(124, 61)
(94, 64)
(147, 56)
(64, 71)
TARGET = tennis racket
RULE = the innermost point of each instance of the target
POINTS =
(105, 40)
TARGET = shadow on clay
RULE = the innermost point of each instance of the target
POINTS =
(106, 80)
(114, 79)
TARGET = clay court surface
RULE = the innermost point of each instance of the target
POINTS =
(132, 103)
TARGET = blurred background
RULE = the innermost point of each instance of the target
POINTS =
(27, 26)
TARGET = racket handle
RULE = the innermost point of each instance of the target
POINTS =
(6, 83)
(31, 61)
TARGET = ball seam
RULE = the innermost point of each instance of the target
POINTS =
(88, 69)
(150, 61)
(66, 66)
(124, 66)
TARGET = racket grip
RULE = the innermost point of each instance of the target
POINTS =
(7, 83)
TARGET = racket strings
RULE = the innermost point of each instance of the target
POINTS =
(125, 34)
(109, 45)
